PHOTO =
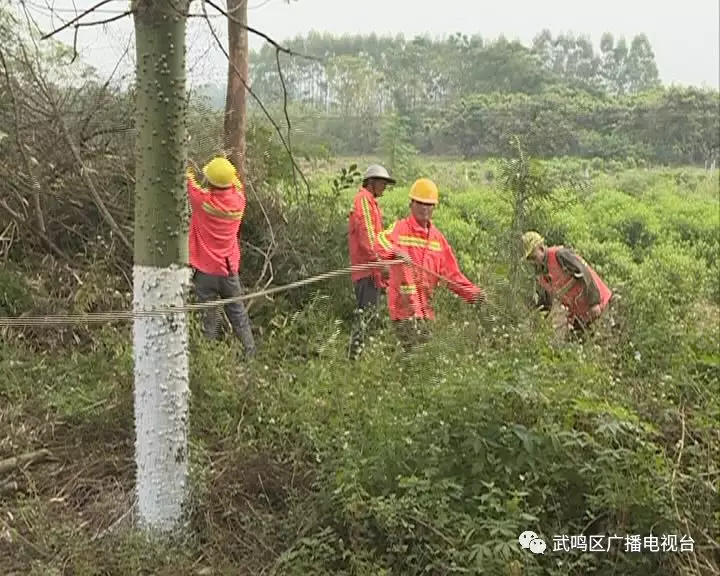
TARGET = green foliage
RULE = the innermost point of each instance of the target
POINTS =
(646, 128)
(463, 95)
(304, 463)
(14, 293)
(525, 183)
(399, 155)
(347, 179)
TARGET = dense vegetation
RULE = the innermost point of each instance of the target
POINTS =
(463, 94)
(304, 464)
(313, 466)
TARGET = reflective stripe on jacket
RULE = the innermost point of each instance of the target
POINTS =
(214, 226)
(364, 224)
(410, 288)
(569, 289)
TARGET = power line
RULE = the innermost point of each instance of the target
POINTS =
(73, 11)
(110, 12)
(263, 3)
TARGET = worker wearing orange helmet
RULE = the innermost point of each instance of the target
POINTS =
(428, 259)
(217, 211)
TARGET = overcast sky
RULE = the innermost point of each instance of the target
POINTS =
(684, 35)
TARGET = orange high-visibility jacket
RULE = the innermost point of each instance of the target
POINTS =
(214, 225)
(569, 289)
(410, 288)
(364, 224)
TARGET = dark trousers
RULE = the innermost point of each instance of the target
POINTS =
(367, 302)
(209, 287)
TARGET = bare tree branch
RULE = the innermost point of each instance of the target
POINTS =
(78, 18)
(88, 25)
(107, 216)
(21, 147)
(267, 264)
(285, 105)
(256, 97)
(14, 462)
(44, 237)
(77, 23)
(255, 31)
(90, 184)
(278, 50)
(98, 102)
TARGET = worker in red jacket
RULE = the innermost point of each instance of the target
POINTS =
(216, 215)
(563, 276)
(428, 259)
(364, 224)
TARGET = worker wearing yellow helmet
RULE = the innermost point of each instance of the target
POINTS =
(561, 275)
(217, 211)
(427, 257)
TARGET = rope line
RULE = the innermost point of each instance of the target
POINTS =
(120, 315)
(116, 315)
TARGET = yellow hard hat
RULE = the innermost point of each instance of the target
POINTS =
(220, 172)
(531, 240)
(425, 191)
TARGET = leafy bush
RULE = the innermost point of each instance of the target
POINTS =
(304, 463)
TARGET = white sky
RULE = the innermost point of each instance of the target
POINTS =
(685, 35)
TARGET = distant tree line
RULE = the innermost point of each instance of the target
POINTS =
(461, 94)
(365, 74)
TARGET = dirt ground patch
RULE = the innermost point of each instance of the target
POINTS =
(68, 513)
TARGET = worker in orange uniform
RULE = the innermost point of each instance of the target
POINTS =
(216, 215)
(364, 224)
(428, 259)
(563, 276)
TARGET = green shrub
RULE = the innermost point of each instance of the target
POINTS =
(433, 463)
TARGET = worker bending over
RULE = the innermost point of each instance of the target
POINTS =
(428, 258)
(364, 224)
(217, 213)
(561, 275)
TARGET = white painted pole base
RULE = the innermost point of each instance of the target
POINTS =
(161, 396)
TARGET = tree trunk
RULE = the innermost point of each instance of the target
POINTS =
(517, 228)
(160, 274)
(236, 98)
